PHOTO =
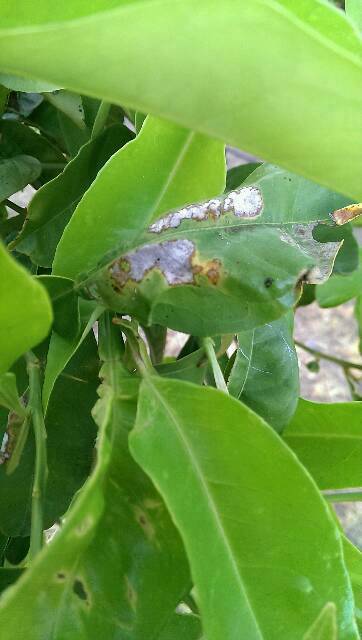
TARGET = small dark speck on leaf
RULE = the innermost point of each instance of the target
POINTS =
(79, 590)
(268, 282)
(61, 576)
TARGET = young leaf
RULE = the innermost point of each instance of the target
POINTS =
(71, 436)
(310, 42)
(327, 439)
(16, 173)
(18, 139)
(163, 167)
(265, 372)
(52, 206)
(26, 317)
(117, 552)
(264, 550)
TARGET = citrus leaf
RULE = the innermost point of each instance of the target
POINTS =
(288, 122)
(26, 317)
(259, 519)
(327, 439)
(265, 372)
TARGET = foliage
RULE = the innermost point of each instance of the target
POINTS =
(190, 493)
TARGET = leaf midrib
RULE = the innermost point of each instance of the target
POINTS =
(210, 501)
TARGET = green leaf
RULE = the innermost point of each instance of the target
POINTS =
(26, 317)
(63, 347)
(237, 175)
(353, 560)
(52, 206)
(327, 439)
(17, 83)
(289, 123)
(68, 103)
(265, 374)
(354, 11)
(259, 518)
(238, 259)
(117, 552)
(18, 139)
(16, 173)
(325, 626)
(65, 305)
(340, 289)
(9, 396)
(358, 315)
(71, 436)
(182, 627)
(4, 94)
(192, 367)
(162, 168)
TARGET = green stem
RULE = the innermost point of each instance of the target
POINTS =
(344, 496)
(339, 361)
(15, 207)
(101, 118)
(41, 469)
(208, 345)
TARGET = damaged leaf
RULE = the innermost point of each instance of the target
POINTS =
(117, 552)
(239, 259)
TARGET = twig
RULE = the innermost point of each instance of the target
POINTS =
(318, 354)
(41, 469)
(208, 345)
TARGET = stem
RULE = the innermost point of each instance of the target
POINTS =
(318, 354)
(41, 469)
(344, 496)
(101, 118)
(208, 345)
(15, 207)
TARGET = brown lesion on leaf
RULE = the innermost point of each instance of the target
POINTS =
(347, 214)
(210, 269)
(145, 522)
(175, 259)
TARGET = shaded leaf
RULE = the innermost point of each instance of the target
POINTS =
(276, 568)
(117, 552)
(16, 173)
(9, 396)
(237, 175)
(17, 138)
(191, 367)
(26, 318)
(68, 103)
(340, 289)
(70, 441)
(327, 439)
(265, 372)
(182, 627)
(52, 206)
(17, 83)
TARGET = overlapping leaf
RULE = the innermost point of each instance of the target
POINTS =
(299, 100)
(229, 264)
(117, 568)
(53, 205)
(327, 438)
(264, 550)
(265, 371)
(26, 317)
